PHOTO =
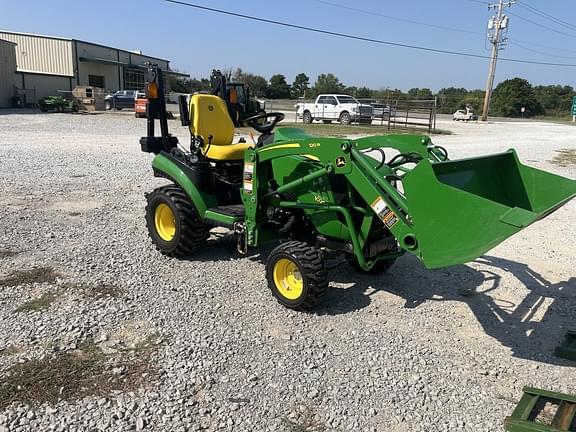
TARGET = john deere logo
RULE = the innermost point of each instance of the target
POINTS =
(340, 161)
(210, 108)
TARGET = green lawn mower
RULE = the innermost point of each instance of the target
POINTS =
(370, 199)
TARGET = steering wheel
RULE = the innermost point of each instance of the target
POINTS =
(268, 125)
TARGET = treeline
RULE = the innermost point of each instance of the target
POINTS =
(508, 99)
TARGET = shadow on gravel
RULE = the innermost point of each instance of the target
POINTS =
(532, 329)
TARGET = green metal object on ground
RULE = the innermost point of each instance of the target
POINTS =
(543, 411)
(57, 104)
(567, 349)
(369, 200)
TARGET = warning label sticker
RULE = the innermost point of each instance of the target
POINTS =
(248, 173)
(384, 213)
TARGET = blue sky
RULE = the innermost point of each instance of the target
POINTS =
(197, 41)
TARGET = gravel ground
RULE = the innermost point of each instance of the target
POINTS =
(201, 344)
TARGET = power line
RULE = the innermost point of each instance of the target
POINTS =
(539, 52)
(543, 26)
(360, 38)
(546, 46)
(548, 16)
(372, 13)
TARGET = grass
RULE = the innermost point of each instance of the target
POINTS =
(565, 157)
(40, 303)
(76, 374)
(89, 291)
(566, 119)
(37, 275)
(337, 130)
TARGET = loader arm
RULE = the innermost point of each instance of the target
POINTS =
(444, 212)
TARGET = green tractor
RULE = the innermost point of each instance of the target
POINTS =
(370, 199)
(57, 104)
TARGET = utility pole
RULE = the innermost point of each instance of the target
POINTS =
(497, 30)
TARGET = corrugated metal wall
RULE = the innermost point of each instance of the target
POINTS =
(41, 54)
(7, 72)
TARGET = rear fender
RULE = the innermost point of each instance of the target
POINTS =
(167, 166)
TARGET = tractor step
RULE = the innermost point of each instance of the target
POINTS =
(543, 411)
(567, 349)
(225, 215)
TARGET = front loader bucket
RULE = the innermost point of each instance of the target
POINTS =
(461, 209)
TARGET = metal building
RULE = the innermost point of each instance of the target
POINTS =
(7, 72)
(47, 65)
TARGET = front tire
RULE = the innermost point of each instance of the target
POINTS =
(173, 223)
(345, 118)
(296, 274)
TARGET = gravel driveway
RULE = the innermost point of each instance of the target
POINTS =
(202, 345)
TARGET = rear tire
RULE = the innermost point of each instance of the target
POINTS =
(296, 274)
(307, 117)
(173, 223)
(345, 118)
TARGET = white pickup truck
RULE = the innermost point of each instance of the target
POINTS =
(330, 107)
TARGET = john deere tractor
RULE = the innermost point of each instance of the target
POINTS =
(370, 199)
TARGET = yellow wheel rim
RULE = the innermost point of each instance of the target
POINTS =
(288, 279)
(165, 222)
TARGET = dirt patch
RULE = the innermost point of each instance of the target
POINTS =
(565, 157)
(6, 253)
(37, 275)
(74, 206)
(72, 375)
(95, 291)
(10, 350)
(40, 303)
(302, 419)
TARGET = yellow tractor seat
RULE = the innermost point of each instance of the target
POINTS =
(209, 118)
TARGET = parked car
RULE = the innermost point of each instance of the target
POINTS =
(382, 111)
(122, 99)
(464, 115)
(329, 107)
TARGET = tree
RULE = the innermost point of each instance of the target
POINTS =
(178, 84)
(258, 84)
(555, 99)
(300, 85)
(187, 85)
(278, 88)
(363, 92)
(420, 93)
(328, 83)
(512, 95)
